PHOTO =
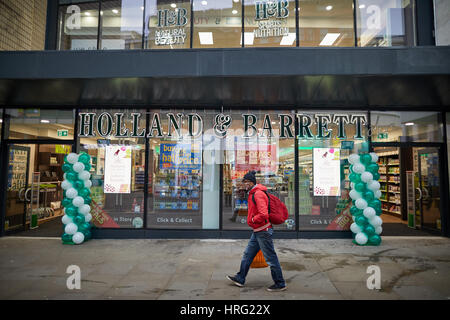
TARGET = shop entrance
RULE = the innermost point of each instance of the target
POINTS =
(34, 193)
(412, 188)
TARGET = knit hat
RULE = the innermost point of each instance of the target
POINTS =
(250, 176)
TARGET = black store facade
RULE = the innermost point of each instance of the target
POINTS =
(190, 122)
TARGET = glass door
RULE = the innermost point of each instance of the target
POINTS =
(429, 201)
(34, 190)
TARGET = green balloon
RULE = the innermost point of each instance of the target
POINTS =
(66, 237)
(378, 211)
(87, 200)
(79, 219)
(85, 226)
(376, 176)
(353, 210)
(78, 185)
(369, 230)
(84, 192)
(87, 167)
(71, 176)
(368, 195)
(84, 158)
(71, 211)
(66, 167)
(375, 240)
(361, 221)
(354, 177)
(66, 202)
(360, 186)
(365, 158)
(372, 167)
(87, 235)
(375, 204)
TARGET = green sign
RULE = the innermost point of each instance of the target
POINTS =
(383, 135)
(63, 133)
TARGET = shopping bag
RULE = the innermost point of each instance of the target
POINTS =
(259, 261)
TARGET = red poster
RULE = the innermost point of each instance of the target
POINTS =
(258, 157)
(100, 218)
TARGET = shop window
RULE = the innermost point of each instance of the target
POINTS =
(117, 166)
(326, 139)
(263, 151)
(326, 23)
(217, 23)
(406, 126)
(384, 23)
(269, 24)
(168, 24)
(442, 21)
(40, 124)
(78, 26)
(183, 173)
(121, 24)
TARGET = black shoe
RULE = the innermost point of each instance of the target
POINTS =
(275, 287)
(235, 281)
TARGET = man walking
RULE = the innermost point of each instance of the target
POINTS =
(261, 239)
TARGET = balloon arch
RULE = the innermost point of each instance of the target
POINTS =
(77, 200)
(365, 194)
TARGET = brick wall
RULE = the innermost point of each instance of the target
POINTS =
(22, 24)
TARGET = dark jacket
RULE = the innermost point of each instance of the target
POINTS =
(258, 215)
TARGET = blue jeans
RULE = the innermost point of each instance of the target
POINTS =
(261, 240)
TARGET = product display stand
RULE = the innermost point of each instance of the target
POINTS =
(390, 183)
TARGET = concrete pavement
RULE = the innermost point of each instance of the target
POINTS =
(35, 268)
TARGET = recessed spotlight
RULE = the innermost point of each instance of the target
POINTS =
(204, 2)
(173, 5)
(362, 6)
(142, 8)
(329, 8)
(87, 13)
(409, 124)
(45, 121)
(115, 11)
(236, 1)
(234, 12)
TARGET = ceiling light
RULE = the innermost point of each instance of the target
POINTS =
(248, 38)
(329, 39)
(142, 8)
(45, 121)
(204, 2)
(362, 6)
(329, 8)
(409, 124)
(87, 13)
(115, 11)
(206, 38)
(236, 1)
(234, 12)
(288, 40)
(101, 13)
(173, 5)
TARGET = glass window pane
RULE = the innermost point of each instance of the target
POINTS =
(269, 23)
(168, 24)
(406, 126)
(40, 124)
(117, 172)
(442, 21)
(324, 186)
(217, 24)
(78, 27)
(326, 23)
(122, 24)
(183, 173)
(384, 23)
(271, 157)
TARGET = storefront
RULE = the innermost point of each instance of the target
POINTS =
(172, 132)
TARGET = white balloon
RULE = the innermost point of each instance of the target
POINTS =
(378, 194)
(359, 168)
(376, 221)
(78, 201)
(84, 175)
(66, 219)
(353, 158)
(66, 185)
(78, 238)
(84, 209)
(72, 158)
(374, 186)
(78, 167)
(71, 228)
(361, 238)
(355, 195)
(88, 217)
(65, 176)
(366, 176)
(374, 156)
(71, 193)
(361, 204)
(355, 228)
(87, 183)
(369, 212)
(378, 230)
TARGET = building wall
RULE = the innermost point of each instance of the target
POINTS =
(22, 24)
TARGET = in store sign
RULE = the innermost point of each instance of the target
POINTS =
(165, 35)
(383, 135)
(63, 133)
(267, 27)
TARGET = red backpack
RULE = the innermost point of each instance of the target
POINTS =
(278, 212)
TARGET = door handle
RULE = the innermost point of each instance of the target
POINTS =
(25, 195)
(420, 193)
(21, 193)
